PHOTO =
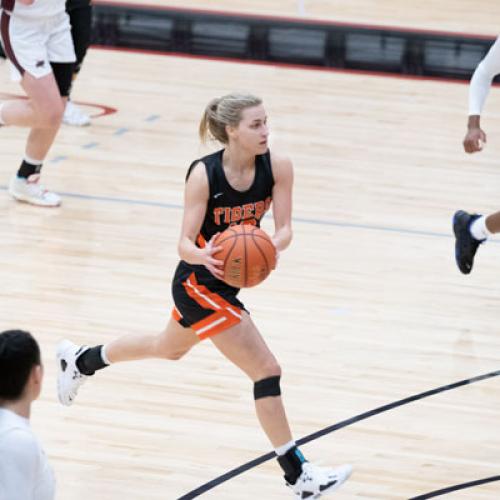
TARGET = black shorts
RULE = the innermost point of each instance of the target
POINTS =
(204, 303)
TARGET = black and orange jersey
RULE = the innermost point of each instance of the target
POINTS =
(228, 206)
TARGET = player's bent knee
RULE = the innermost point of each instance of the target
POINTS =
(267, 387)
(51, 117)
(271, 369)
(172, 354)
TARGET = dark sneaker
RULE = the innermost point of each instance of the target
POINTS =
(465, 244)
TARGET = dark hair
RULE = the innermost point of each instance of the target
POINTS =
(19, 353)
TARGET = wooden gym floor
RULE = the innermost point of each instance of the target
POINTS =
(365, 309)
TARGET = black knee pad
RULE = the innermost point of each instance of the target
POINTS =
(267, 387)
(63, 73)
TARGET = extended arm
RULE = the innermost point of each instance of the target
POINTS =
(479, 88)
(282, 202)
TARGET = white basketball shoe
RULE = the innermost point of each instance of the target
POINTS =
(73, 115)
(314, 482)
(31, 191)
(69, 378)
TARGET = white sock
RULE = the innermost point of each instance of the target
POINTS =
(281, 450)
(28, 159)
(104, 357)
(479, 230)
(1, 119)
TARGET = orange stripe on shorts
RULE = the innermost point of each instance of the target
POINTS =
(176, 314)
(225, 315)
(214, 324)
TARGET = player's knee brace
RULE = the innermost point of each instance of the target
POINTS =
(267, 387)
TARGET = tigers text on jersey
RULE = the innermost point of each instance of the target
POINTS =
(228, 206)
(25, 473)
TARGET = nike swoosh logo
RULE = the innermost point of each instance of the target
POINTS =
(323, 487)
(217, 195)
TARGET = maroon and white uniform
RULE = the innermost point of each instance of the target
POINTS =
(35, 35)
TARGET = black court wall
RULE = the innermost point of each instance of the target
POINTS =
(289, 41)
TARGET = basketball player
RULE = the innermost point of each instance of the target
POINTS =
(36, 37)
(80, 17)
(25, 473)
(473, 229)
(243, 174)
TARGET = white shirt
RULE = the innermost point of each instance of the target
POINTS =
(481, 80)
(25, 473)
(39, 9)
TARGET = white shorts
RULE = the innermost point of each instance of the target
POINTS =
(32, 44)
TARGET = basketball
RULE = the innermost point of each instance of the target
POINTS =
(248, 254)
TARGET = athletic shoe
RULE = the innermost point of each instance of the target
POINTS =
(315, 481)
(465, 244)
(73, 115)
(69, 378)
(31, 191)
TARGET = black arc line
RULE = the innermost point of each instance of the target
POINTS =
(457, 487)
(327, 430)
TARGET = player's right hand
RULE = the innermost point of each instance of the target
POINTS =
(212, 264)
(474, 140)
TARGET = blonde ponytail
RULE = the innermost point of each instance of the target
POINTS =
(223, 111)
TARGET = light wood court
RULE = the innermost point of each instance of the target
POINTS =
(460, 16)
(366, 307)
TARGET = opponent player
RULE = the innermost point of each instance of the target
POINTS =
(473, 229)
(25, 473)
(36, 37)
(80, 16)
(240, 179)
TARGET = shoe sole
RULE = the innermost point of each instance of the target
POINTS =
(337, 485)
(86, 124)
(456, 232)
(332, 488)
(61, 348)
(456, 216)
(29, 201)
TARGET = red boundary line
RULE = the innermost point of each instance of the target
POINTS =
(301, 20)
(105, 110)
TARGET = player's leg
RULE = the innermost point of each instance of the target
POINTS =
(490, 225)
(244, 346)
(81, 25)
(31, 47)
(173, 343)
(43, 109)
(471, 230)
(43, 112)
(25, 44)
(76, 363)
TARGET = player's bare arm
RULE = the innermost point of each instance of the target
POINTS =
(195, 205)
(282, 201)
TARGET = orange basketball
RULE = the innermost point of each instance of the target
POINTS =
(248, 254)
